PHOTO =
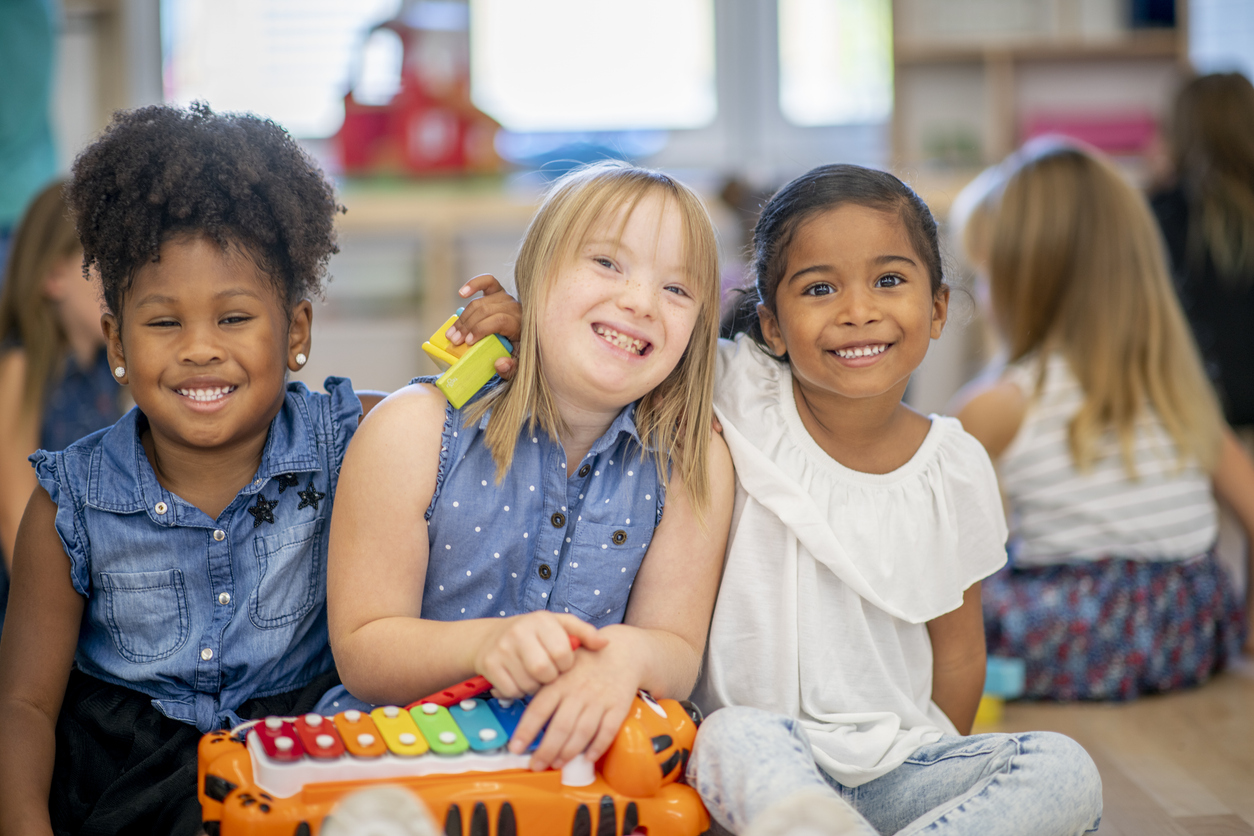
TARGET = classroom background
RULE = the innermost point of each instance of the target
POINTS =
(443, 120)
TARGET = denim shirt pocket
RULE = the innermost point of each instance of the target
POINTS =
(291, 570)
(141, 608)
(603, 563)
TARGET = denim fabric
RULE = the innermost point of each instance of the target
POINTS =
(540, 540)
(79, 403)
(204, 614)
(747, 761)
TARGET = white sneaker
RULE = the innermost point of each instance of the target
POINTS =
(811, 812)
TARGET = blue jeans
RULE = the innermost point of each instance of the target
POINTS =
(1028, 784)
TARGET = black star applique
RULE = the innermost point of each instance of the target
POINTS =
(287, 480)
(263, 511)
(309, 496)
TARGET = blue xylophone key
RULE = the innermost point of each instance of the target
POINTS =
(508, 713)
(476, 720)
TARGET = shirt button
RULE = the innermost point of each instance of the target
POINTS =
(224, 598)
(583, 471)
(161, 507)
(219, 535)
(619, 537)
(545, 571)
(558, 520)
(206, 654)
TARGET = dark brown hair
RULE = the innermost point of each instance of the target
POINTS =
(819, 190)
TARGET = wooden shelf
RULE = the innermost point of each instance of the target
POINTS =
(962, 96)
(1161, 43)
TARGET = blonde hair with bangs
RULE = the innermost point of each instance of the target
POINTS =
(675, 418)
(1077, 265)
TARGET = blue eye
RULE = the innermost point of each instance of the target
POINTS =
(889, 281)
(604, 262)
(677, 290)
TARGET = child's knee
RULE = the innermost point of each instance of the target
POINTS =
(1072, 774)
(733, 731)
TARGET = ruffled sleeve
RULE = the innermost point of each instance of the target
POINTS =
(908, 542)
(54, 472)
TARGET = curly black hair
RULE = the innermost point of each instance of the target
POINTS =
(159, 172)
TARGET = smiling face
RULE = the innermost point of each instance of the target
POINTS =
(618, 313)
(855, 309)
(205, 342)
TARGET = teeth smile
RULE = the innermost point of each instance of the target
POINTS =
(206, 395)
(621, 340)
(862, 351)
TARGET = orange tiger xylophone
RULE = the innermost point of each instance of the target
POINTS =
(283, 776)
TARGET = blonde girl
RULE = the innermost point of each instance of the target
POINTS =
(584, 498)
(1109, 444)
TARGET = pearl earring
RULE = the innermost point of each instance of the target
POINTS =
(120, 371)
(301, 359)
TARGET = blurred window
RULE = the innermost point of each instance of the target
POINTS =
(594, 65)
(1221, 36)
(835, 61)
(289, 60)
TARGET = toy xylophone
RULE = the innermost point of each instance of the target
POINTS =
(283, 776)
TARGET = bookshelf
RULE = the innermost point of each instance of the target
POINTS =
(973, 79)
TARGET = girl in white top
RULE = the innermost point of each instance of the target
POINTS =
(1109, 442)
(846, 654)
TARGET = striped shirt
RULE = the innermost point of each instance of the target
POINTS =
(1059, 514)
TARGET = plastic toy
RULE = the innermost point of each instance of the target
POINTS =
(472, 687)
(466, 368)
(1003, 681)
(284, 775)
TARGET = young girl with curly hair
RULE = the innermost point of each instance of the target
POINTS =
(169, 572)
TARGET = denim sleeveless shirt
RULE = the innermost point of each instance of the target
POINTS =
(204, 614)
(540, 540)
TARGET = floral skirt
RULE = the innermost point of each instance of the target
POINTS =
(1114, 629)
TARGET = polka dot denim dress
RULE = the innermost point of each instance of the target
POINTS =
(540, 540)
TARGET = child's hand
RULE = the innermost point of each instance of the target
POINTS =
(584, 709)
(496, 312)
(532, 650)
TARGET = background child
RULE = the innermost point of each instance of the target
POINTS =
(1108, 441)
(55, 382)
(585, 492)
(169, 571)
(1207, 218)
(847, 638)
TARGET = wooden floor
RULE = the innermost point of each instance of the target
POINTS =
(1179, 765)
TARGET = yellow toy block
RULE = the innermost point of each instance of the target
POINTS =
(467, 368)
(990, 712)
(439, 349)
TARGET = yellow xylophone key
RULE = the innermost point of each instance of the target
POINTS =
(399, 731)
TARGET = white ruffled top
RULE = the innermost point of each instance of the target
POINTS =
(832, 574)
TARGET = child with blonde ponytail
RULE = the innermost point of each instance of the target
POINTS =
(1109, 443)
